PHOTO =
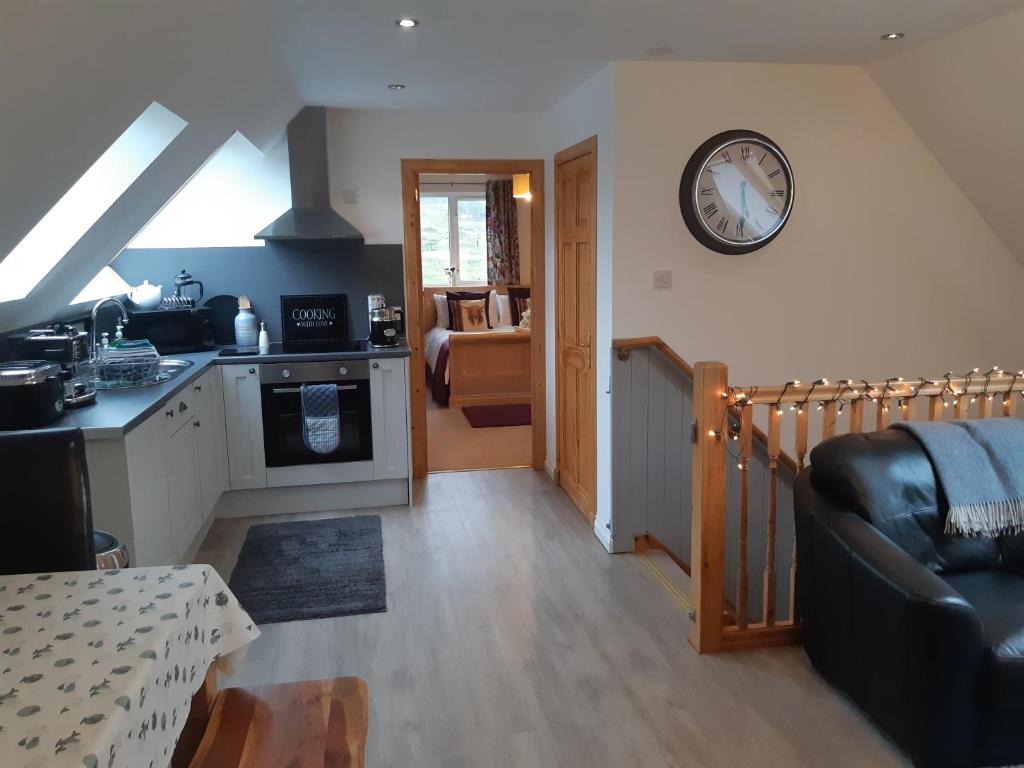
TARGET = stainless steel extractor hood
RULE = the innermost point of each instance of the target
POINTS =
(311, 216)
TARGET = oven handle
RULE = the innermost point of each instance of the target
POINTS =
(296, 390)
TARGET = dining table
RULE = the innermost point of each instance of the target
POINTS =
(98, 668)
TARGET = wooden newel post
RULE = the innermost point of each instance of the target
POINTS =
(710, 463)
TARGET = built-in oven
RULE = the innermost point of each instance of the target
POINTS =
(281, 395)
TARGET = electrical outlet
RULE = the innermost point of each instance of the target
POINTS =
(662, 279)
(350, 196)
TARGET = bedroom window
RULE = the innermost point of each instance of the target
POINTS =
(453, 235)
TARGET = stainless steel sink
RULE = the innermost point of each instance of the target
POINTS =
(168, 369)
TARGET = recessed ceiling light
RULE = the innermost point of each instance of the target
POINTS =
(660, 50)
(397, 86)
(893, 36)
(407, 23)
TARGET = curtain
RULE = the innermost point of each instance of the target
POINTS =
(502, 234)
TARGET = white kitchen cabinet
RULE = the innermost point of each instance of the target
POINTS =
(211, 456)
(147, 515)
(243, 417)
(183, 487)
(389, 392)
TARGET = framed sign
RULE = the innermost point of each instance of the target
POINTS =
(314, 320)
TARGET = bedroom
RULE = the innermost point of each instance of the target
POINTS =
(475, 260)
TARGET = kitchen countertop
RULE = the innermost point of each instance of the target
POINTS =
(118, 411)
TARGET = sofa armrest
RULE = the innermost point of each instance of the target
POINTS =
(893, 635)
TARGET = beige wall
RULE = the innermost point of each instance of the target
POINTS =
(366, 149)
(884, 269)
(962, 94)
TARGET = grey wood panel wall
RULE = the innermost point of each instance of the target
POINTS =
(652, 414)
(652, 409)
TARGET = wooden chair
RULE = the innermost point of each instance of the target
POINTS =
(314, 724)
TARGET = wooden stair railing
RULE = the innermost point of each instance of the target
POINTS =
(722, 411)
(729, 613)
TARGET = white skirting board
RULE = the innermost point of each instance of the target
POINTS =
(603, 535)
(313, 498)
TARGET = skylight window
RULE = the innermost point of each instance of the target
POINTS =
(106, 283)
(237, 192)
(89, 198)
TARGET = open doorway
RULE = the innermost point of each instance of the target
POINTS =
(474, 255)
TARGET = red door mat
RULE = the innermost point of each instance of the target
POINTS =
(497, 415)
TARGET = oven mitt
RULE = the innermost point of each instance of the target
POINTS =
(321, 422)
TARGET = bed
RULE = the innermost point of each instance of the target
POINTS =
(481, 368)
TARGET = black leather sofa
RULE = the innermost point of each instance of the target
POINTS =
(923, 631)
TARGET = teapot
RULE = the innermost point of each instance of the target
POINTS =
(145, 296)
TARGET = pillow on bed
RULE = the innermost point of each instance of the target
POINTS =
(493, 316)
(504, 310)
(441, 308)
(454, 297)
(470, 315)
(518, 299)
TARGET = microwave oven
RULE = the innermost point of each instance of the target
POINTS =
(173, 331)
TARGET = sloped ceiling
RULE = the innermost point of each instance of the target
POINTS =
(75, 75)
(962, 95)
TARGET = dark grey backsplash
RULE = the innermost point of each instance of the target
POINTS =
(264, 274)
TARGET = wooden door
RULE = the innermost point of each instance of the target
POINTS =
(575, 311)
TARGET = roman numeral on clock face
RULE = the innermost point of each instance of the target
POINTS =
(723, 223)
(744, 153)
(710, 209)
(778, 193)
(774, 173)
(707, 191)
(726, 157)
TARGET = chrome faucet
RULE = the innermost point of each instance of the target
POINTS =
(95, 310)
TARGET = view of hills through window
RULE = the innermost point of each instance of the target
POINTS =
(466, 216)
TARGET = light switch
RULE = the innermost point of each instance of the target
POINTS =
(662, 279)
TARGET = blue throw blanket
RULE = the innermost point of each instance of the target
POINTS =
(321, 422)
(980, 465)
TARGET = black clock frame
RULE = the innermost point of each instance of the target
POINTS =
(687, 185)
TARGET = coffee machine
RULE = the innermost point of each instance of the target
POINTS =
(387, 324)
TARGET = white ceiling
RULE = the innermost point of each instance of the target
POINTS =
(526, 55)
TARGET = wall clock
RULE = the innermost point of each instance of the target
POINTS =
(736, 192)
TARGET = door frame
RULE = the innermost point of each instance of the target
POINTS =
(411, 170)
(567, 155)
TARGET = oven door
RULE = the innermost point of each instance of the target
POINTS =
(283, 442)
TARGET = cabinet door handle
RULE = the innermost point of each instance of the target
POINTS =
(376, 365)
(182, 407)
(199, 387)
(169, 414)
(195, 424)
(252, 370)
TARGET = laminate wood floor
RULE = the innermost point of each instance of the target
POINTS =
(513, 639)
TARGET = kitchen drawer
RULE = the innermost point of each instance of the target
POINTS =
(179, 410)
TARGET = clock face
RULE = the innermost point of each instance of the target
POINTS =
(736, 193)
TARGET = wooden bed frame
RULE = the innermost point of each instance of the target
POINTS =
(484, 368)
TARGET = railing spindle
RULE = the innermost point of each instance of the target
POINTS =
(934, 408)
(959, 407)
(1008, 404)
(984, 406)
(905, 410)
(828, 420)
(856, 416)
(882, 414)
(746, 450)
(774, 424)
(800, 446)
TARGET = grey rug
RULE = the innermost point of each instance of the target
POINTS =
(314, 569)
